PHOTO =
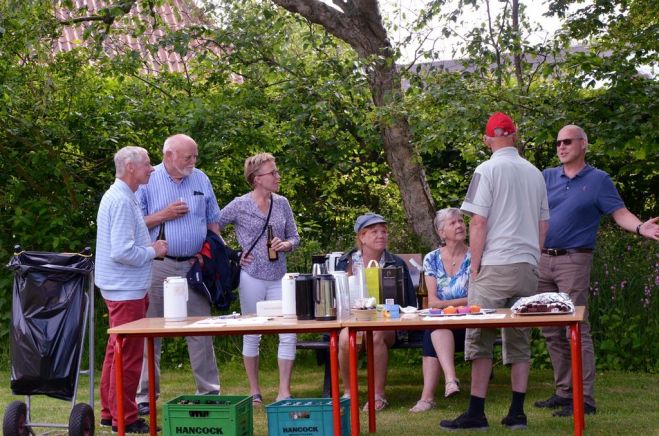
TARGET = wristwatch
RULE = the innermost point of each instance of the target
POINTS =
(638, 229)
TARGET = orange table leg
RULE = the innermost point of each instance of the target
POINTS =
(153, 412)
(119, 384)
(577, 379)
(354, 388)
(334, 380)
(371, 380)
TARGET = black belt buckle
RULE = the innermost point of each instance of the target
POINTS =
(555, 251)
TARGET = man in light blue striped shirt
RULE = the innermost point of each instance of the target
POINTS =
(180, 196)
(124, 253)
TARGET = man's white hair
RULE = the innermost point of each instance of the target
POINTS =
(128, 154)
(173, 140)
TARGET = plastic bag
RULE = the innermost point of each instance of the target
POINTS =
(47, 327)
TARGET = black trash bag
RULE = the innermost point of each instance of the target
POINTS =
(47, 329)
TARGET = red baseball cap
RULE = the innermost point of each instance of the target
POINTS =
(499, 120)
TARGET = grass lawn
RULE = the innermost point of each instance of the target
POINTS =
(627, 402)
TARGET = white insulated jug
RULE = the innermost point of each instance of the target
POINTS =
(288, 308)
(175, 298)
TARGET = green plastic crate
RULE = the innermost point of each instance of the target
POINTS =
(306, 417)
(192, 415)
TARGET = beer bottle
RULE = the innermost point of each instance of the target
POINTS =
(272, 254)
(422, 292)
(161, 237)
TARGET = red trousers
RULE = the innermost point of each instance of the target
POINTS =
(121, 312)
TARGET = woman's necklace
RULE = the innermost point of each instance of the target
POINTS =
(451, 262)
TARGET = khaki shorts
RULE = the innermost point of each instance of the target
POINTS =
(499, 286)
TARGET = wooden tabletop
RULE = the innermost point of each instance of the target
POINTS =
(213, 325)
(501, 318)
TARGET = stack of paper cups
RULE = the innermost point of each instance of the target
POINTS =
(342, 294)
(355, 289)
(288, 295)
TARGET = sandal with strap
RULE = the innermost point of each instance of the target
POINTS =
(257, 400)
(451, 388)
(380, 403)
(423, 406)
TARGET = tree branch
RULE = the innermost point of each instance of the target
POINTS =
(347, 25)
(86, 19)
(103, 15)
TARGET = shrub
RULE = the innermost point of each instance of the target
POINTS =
(623, 304)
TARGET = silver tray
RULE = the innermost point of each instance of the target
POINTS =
(543, 313)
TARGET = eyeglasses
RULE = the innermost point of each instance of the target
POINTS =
(566, 141)
(273, 173)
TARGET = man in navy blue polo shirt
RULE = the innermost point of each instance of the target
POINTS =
(578, 196)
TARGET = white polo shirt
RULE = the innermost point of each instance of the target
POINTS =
(510, 193)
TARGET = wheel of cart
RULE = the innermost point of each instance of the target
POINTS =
(52, 313)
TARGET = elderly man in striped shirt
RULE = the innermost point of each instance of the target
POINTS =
(180, 196)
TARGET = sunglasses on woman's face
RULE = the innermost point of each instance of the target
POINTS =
(566, 141)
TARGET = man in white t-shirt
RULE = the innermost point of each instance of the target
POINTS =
(507, 202)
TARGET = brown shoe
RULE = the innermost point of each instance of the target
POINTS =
(138, 427)
(553, 402)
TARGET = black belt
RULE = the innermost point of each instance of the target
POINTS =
(180, 258)
(563, 251)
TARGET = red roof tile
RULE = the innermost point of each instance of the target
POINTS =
(175, 15)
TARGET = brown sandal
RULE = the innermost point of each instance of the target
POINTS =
(380, 403)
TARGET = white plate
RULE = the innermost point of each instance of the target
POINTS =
(409, 309)
(446, 314)
(426, 312)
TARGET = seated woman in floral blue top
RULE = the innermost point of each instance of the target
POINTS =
(447, 274)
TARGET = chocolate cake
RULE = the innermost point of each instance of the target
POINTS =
(548, 302)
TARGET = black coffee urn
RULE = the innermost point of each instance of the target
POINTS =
(304, 297)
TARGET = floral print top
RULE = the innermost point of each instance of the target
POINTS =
(448, 288)
(248, 221)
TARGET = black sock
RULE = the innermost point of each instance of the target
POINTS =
(476, 406)
(517, 405)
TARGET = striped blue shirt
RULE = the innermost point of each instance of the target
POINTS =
(123, 246)
(185, 235)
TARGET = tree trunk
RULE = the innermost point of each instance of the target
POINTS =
(358, 23)
(517, 54)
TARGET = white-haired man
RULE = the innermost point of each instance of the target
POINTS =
(180, 196)
(124, 254)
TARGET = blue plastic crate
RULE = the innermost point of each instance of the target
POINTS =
(306, 417)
